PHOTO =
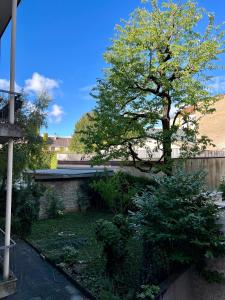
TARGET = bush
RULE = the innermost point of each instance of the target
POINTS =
(25, 208)
(114, 236)
(118, 190)
(69, 255)
(222, 186)
(178, 220)
(149, 292)
(56, 206)
(83, 197)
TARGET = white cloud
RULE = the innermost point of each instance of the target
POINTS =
(5, 85)
(217, 85)
(56, 114)
(84, 92)
(39, 84)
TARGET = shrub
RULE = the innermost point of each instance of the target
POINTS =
(56, 206)
(222, 186)
(178, 220)
(118, 190)
(83, 197)
(114, 236)
(108, 295)
(69, 255)
(149, 292)
(25, 207)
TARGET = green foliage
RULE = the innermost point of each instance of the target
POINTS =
(53, 160)
(118, 190)
(149, 292)
(76, 144)
(159, 61)
(30, 152)
(69, 255)
(25, 207)
(180, 220)
(56, 206)
(84, 196)
(212, 276)
(107, 295)
(222, 186)
(114, 236)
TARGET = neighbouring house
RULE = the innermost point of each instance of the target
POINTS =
(68, 185)
(213, 125)
(58, 143)
(10, 102)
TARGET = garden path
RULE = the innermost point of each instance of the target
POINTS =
(37, 279)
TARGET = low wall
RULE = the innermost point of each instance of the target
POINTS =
(180, 288)
(210, 161)
(67, 191)
(190, 286)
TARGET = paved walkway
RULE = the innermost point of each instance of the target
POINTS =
(37, 279)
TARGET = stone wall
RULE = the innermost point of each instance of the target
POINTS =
(68, 192)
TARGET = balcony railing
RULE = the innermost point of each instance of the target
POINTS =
(4, 105)
(7, 287)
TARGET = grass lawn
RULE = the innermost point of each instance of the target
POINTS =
(76, 230)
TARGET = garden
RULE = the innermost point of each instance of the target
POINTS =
(136, 233)
(133, 233)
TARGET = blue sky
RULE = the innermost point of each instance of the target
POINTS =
(60, 47)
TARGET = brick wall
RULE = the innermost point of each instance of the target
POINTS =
(68, 191)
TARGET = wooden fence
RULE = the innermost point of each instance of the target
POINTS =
(213, 166)
(212, 162)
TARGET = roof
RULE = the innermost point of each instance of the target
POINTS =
(59, 141)
(5, 14)
(68, 173)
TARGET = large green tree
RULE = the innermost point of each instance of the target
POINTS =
(30, 152)
(76, 144)
(158, 65)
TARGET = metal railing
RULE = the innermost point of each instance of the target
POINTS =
(12, 252)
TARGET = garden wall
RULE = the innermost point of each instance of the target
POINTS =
(210, 161)
(190, 286)
(67, 191)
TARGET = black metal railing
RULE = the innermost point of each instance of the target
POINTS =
(4, 105)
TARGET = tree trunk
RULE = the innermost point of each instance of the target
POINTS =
(167, 145)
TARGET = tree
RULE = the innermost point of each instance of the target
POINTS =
(159, 64)
(29, 151)
(76, 144)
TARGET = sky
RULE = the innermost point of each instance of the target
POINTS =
(60, 46)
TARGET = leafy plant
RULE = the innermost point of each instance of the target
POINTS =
(56, 206)
(158, 75)
(178, 219)
(149, 292)
(114, 236)
(69, 255)
(222, 186)
(108, 295)
(118, 190)
(25, 207)
(83, 197)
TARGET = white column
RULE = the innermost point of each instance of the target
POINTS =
(10, 146)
